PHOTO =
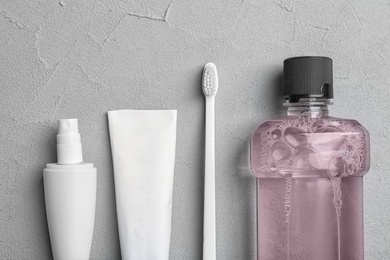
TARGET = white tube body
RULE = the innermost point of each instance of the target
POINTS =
(143, 149)
(70, 196)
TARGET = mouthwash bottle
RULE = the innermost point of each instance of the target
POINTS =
(309, 168)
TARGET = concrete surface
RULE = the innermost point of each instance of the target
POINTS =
(63, 59)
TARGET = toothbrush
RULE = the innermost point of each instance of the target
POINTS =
(209, 87)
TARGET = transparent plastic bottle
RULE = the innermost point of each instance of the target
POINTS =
(309, 168)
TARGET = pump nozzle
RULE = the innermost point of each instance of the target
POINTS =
(69, 148)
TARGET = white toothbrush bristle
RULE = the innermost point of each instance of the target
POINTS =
(210, 79)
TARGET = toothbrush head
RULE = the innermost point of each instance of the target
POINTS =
(210, 80)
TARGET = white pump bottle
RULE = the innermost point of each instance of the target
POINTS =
(70, 196)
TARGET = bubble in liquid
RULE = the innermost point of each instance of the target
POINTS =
(318, 161)
(337, 167)
(285, 173)
(337, 198)
(295, 136)
(280, 151)
(329, 129)
(273, 167)
(287, 200)
(276, 134)
(350, 169)
(319, 124)
(335, 123)
(301, 159)
(327, 141)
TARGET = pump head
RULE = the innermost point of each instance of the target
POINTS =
(69, 149)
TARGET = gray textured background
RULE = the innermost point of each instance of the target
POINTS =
(82, 58)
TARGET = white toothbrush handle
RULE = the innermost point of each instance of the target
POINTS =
(209, 237)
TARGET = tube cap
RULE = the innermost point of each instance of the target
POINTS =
(308, 76)
(69, 149)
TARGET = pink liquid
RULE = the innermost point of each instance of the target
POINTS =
(310, 198)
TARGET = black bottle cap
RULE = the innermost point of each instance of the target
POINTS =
(308, 76)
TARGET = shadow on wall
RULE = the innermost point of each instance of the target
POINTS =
(275, 97)
(112, 183)
(49, 144)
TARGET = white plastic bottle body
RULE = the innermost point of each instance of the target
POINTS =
(70, 196)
